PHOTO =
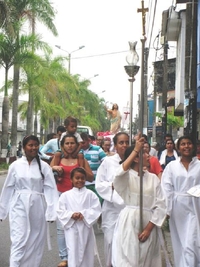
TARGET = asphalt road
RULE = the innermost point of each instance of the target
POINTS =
(50, 258)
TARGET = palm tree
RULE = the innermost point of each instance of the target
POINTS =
(7, 52)
(18, 11)
(47, 81)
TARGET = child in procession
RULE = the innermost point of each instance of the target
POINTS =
(78, 209)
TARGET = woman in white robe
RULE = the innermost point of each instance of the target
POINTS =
(30, 196)
(78, 209)
(183, 209)
(132, 248)
(113, 203)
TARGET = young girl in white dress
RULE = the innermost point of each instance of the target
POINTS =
(78, 209)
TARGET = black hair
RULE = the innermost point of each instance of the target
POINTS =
(61, 129)
(148, 145)
(84, 136)
(184, 137)
(127, 153)
(70, 119)
(168, 135)
(145, 137)
(68, 135)
(107, 139)
(25, 141)
(115, 138)
(77, 169)
(50, 136)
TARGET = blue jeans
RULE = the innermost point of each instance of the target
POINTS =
(61, 240)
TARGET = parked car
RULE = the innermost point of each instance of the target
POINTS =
(84, 129)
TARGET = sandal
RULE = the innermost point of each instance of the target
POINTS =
(63, 264)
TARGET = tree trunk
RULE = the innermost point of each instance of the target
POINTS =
(29, 125)
(35, 124)
(5, 122)
(5, 116)
(15, 105)
(41, 134)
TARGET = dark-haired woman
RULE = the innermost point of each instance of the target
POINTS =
(29, 195)
(69, 145)
(183, 208)
(132, 246)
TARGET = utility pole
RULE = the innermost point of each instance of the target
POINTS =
(190, 106)
(165, 88)
(143, 113)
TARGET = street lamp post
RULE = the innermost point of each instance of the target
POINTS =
(131, 69)
(69, 55)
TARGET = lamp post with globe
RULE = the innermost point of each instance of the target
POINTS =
(131, 69)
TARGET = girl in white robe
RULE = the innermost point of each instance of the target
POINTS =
(183, 209)
(132, 248)
(113, 203)
(30, 196)
(78, 209)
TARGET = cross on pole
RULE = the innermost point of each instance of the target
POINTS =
(144, 11)
(143, 109)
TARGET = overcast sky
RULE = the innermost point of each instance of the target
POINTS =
(104, 28)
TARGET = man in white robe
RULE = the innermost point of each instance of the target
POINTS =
(183, 210)
(30, 201)
(112, 203)
(80, 238)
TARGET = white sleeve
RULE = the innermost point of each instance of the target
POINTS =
(7, 193)
(167, 186)
(121, 180)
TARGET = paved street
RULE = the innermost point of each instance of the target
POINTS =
(50, 258)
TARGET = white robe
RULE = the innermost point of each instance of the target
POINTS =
(80, 239)
(112, 204)
(128, 251)
(184, 211)
(30, 201)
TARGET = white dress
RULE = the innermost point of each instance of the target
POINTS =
(128, 251)
(80, 239)
(112, 204)
(30, 201)
(184, 211)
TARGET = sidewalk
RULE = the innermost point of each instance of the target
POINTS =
(3, 172)
(168, 245)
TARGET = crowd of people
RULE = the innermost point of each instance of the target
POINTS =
(88, 181)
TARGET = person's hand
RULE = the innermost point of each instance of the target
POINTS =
(139, 144)
(58, 169)
(80, 217)
(77, 216)
(144, 235)
(146, 232)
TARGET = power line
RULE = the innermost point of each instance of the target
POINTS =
(110, 53)
(99, 55)
(154, 13)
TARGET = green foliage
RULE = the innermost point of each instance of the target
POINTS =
(4, 166)
(172, 120)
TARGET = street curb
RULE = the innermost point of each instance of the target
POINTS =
(3, 172)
